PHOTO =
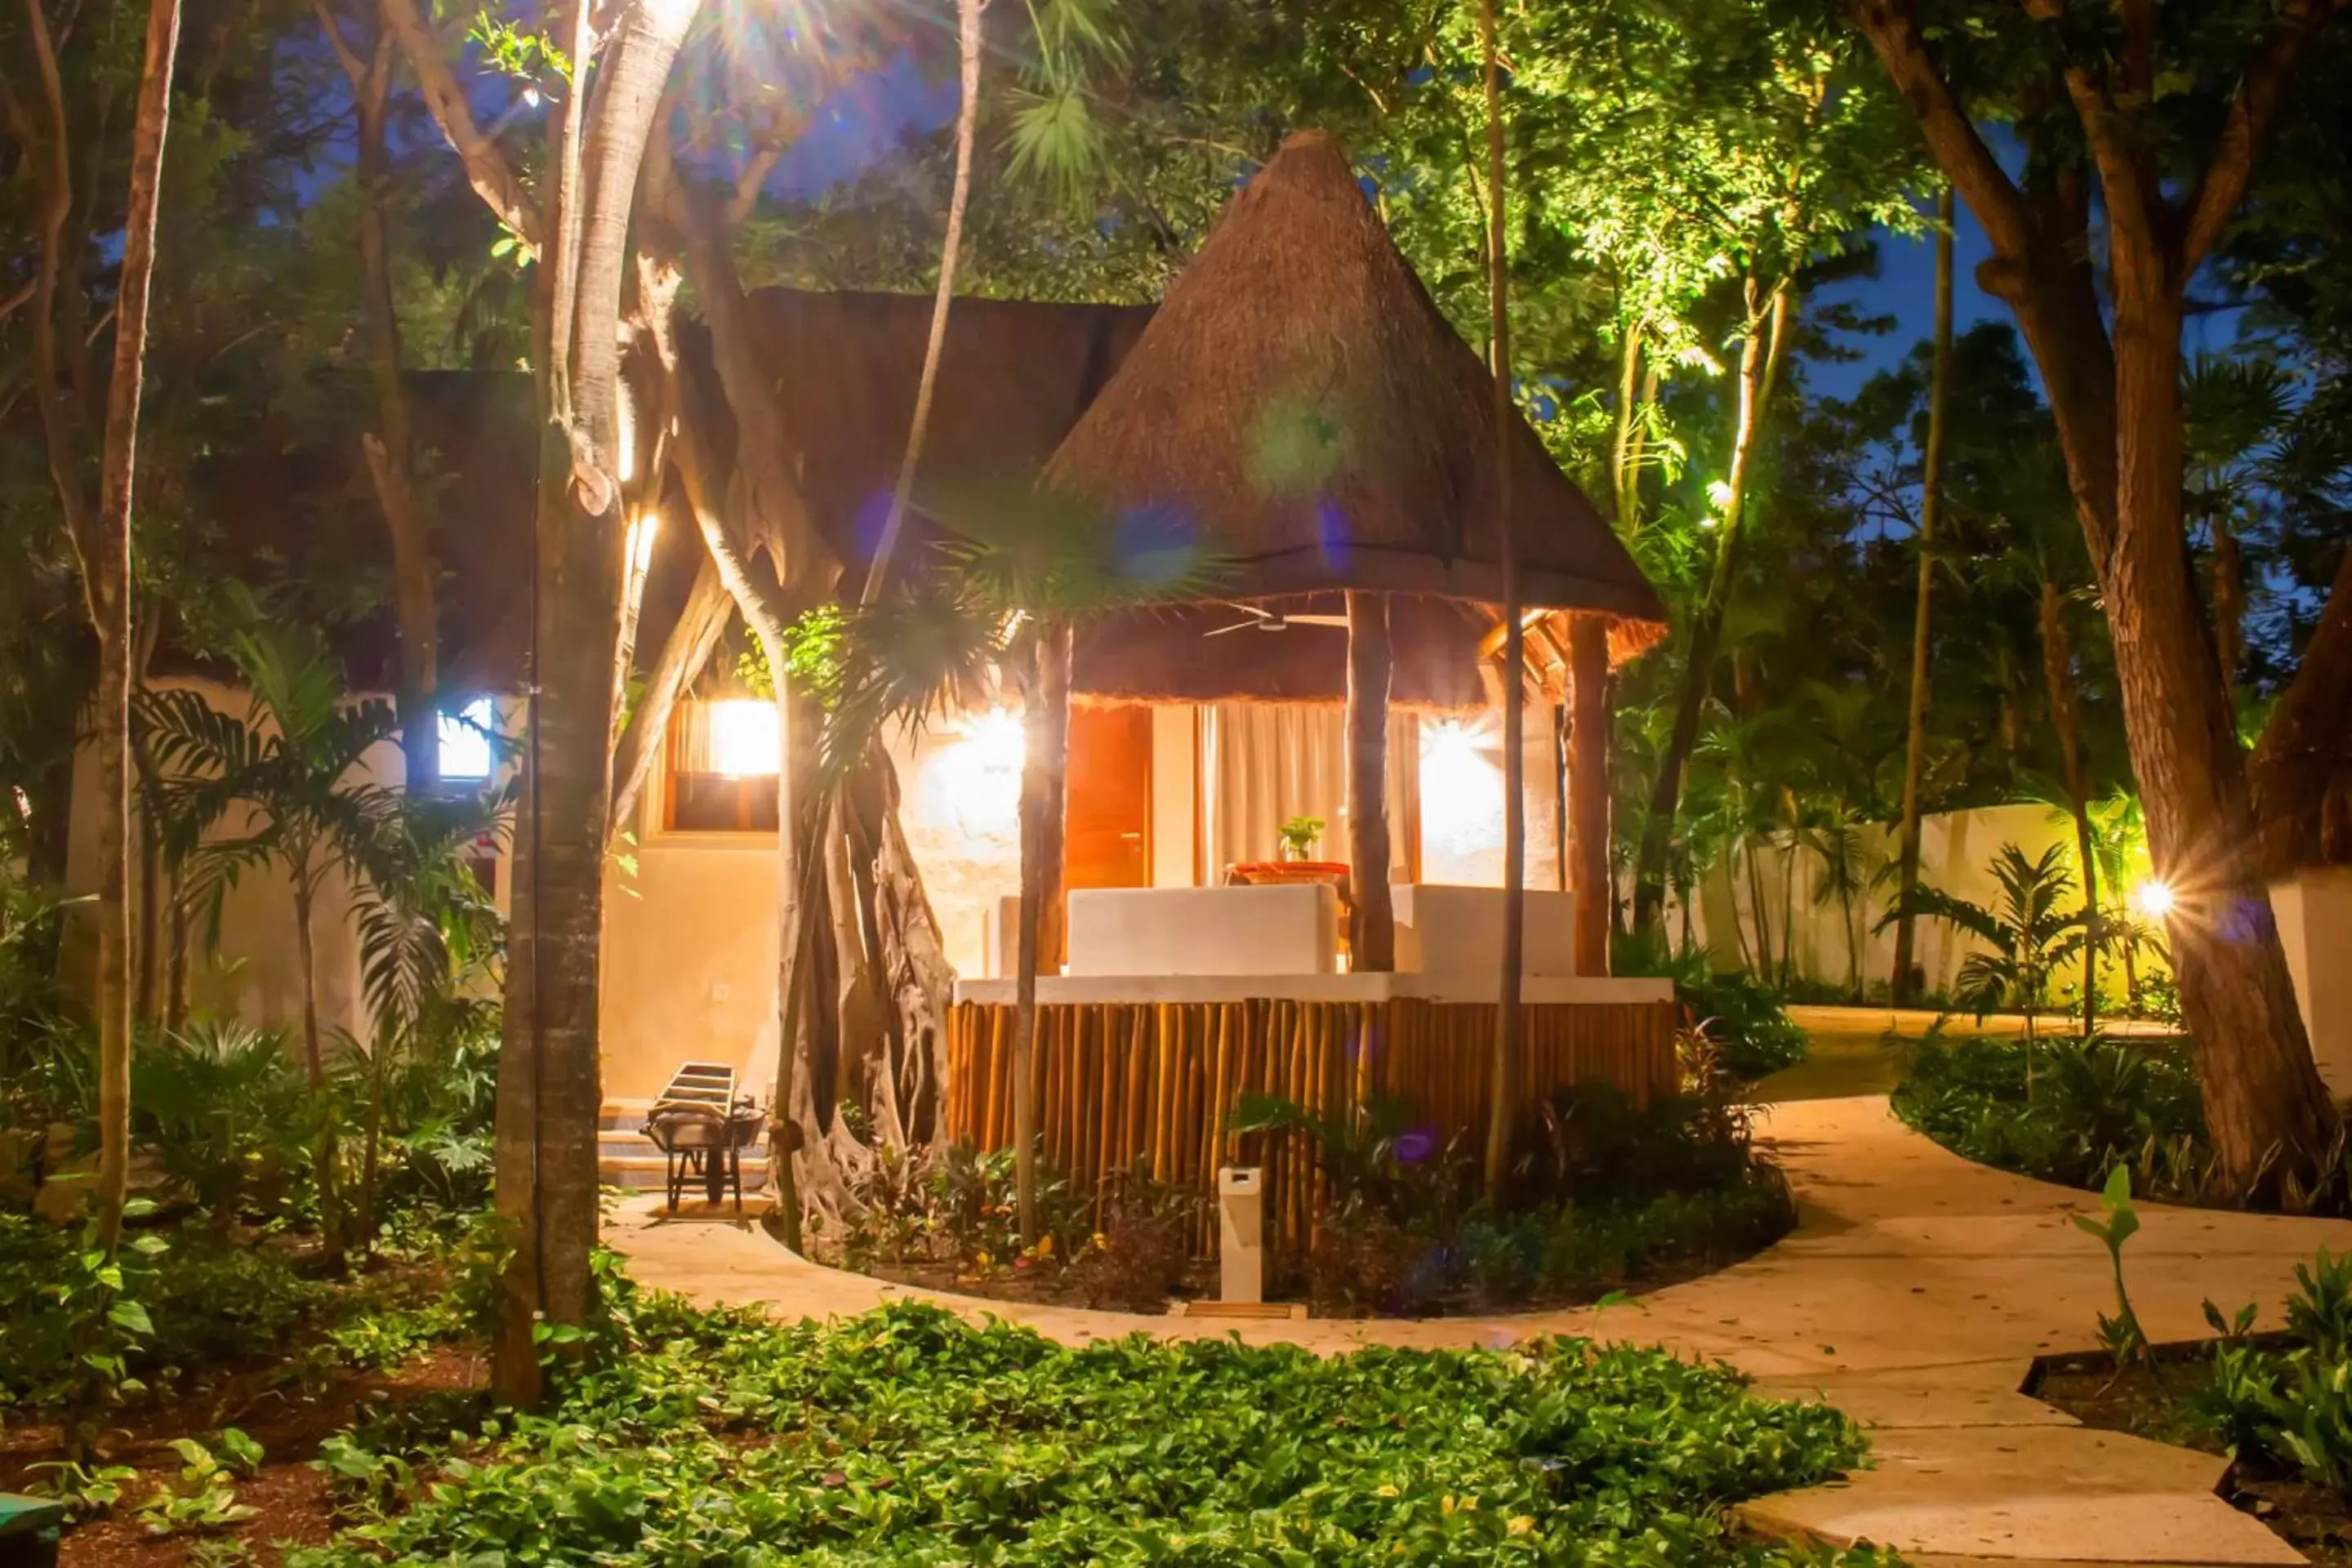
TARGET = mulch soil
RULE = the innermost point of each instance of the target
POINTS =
(265, 1402)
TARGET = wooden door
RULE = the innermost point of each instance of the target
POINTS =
(1107, 819)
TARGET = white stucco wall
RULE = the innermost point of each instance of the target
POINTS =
(253, 974)
(2314, 909)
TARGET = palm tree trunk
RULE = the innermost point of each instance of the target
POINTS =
(950, 246)
(1931, 506)
(1761, 354)
(2058, 677)
(314, 1060)
(1588, 818)
(390, 449)
(1371, 667)
(1046, 719)
(1503, 1076)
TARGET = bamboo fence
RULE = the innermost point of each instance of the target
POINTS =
(1155, 1083)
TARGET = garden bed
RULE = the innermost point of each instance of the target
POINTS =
(2069, 1111)
(2171, 1402)
(1610, 1197)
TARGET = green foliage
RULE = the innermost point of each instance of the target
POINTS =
(204, 1496)
(1300, 836)
(2030, 935)
(2284, 1403)
(908, 1435)
(1744, 1016)
(169, 1312)
(2121, 1333)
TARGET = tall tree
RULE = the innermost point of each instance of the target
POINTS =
(576, 227)
(389, 449)
(1931, 503)
(102, 534)
(2096, 105)
(1502, 1072)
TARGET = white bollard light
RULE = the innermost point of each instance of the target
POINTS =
(1241, 1234)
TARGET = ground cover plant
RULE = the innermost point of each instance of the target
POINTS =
(908, 1435)
(2280, 1405)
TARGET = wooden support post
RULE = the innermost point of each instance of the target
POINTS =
(1371, 933)
(1588, 817)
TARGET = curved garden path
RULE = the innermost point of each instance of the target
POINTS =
(1913, 1294)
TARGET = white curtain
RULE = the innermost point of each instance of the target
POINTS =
(733, 736)
(1263, 763)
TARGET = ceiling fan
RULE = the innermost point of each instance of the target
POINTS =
(1262, 619)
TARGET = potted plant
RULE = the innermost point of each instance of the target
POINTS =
(1300, 837)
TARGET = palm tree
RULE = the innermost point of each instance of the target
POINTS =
(426, 929)
(289, 761)
(2028, 932)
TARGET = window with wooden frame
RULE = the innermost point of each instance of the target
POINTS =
(721, 766)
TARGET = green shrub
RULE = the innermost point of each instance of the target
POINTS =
(1745, 1017)
(907, 1435)
(2089, 1106)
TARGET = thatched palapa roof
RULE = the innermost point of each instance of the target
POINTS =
(1302, 402)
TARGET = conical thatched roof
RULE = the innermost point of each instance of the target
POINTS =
(1301, 400)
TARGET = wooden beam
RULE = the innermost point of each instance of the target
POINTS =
(1371, 667)
(1588, 816)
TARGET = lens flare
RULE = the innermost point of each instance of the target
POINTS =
(2153, 898)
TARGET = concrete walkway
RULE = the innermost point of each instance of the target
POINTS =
(1913, 1295)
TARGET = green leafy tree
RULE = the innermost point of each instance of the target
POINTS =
(2161, 112)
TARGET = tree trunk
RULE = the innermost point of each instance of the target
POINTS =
(2260, 1085)
(1623, 446)
(550, 1096)
(1371, 667)
(1588, 818)
(1046, 720)
(1931, 506)
(950, 247)
(1502, 1075)
(913, 961)
(314, 1061)
(390, 449)
(2229, 599)
(1761, 358)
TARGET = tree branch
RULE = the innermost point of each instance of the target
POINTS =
(335, 41)
(487, 169)
(2127, 178)
(1892, 29)
(2223, 183)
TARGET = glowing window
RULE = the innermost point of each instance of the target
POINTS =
(466, 740)
(722, 766)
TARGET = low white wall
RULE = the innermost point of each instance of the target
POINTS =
(2314, 909)
(1956, 852)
